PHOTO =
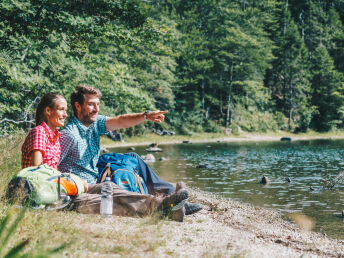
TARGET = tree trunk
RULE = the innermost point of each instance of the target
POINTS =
(229, 103)
(290, 117)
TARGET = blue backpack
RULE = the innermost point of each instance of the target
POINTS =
(122, 170)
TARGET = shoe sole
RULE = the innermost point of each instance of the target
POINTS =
(193, 211)
(179, 205)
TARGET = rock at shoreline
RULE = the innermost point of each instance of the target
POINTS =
(265, 180)
(285, 139)
(186, 141)
(163, 159)
(103, 150)
(131, 148)
(153, 149)
(149, 158)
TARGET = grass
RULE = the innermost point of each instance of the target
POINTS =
(86, 235)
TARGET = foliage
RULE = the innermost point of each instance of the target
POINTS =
(208, 62)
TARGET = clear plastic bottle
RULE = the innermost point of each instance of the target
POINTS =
(106, 199)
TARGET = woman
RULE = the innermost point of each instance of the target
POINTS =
(42, 144)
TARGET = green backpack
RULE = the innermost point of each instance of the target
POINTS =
(44, 186)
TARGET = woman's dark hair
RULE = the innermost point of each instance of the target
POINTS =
(48, 100)
(79, 94)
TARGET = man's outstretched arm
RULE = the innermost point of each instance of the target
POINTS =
(129, 120)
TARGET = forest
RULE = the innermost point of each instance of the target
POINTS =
(249, 65)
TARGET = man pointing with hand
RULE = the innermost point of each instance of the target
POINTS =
(80, 140)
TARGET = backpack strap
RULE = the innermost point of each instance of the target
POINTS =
(59, 187)
(139, 182)
(106, 173)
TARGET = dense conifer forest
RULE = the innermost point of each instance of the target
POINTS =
(253, 65)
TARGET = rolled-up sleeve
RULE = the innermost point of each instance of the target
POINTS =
(101, 124)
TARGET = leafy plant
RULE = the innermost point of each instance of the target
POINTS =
(7, 229)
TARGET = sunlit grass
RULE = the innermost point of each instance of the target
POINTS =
(86, 235)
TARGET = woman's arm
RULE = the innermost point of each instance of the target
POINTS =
(36, 158)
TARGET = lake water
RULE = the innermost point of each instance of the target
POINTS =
(234, 170)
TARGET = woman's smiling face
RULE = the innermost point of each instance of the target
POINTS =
(56, 116)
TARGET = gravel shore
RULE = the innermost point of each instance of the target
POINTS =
(224, 228)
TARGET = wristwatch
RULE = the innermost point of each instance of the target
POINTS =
(146, 114)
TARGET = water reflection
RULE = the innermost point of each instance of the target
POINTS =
(234, 170)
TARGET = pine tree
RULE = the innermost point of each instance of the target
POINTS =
(328, 91)
(288, 78)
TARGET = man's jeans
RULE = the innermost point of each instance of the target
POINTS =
(154, 184)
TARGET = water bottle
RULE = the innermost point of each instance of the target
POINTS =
(107, 199)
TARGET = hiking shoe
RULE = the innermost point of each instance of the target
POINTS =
(191, 208)
(176, 199)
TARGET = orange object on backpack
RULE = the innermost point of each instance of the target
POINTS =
(69, 186)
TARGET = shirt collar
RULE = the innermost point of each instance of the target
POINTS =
(84, 130)
(53, 135)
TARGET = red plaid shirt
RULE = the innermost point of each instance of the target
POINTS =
(42, 138)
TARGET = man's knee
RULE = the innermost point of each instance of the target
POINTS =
(133, 154)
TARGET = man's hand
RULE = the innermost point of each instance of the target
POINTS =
(128, 120)
(156, 116)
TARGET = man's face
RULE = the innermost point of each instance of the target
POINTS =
(87, 112)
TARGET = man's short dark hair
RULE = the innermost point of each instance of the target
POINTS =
(79, 94)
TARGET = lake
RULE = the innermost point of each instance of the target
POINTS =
(235, 169)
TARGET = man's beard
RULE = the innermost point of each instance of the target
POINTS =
(87, 120)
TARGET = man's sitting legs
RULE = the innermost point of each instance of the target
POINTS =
(156, 185)
(128, 203)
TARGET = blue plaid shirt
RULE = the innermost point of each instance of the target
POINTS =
(80, 147)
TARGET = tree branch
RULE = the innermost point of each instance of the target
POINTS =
(17, 122)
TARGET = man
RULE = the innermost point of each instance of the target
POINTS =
(80, 140)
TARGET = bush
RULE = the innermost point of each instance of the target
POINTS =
(254, 120)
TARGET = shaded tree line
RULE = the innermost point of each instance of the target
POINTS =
(256, 65)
